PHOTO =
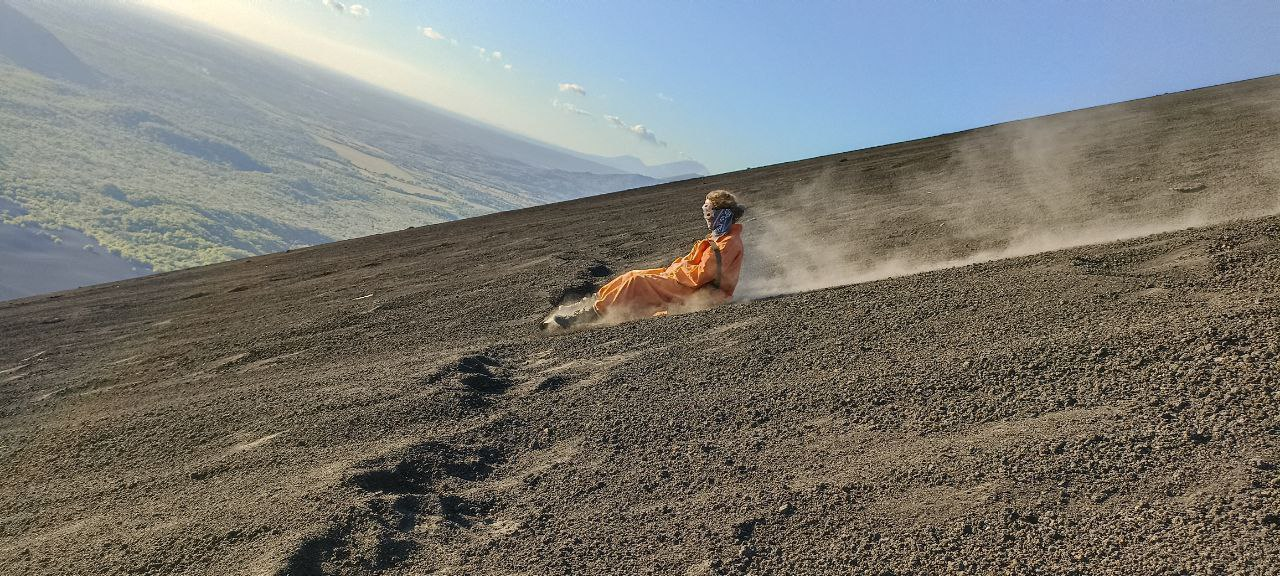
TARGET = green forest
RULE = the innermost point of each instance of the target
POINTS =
(186, 150)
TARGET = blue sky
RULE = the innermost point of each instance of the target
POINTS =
(742, 84)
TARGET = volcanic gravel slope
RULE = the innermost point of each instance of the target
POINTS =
(387, 405)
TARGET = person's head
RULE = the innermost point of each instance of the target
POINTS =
(720, 200)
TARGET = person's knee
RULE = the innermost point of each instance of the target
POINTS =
(631, 278)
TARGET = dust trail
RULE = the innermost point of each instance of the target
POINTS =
(701, 300)
(1011, 190)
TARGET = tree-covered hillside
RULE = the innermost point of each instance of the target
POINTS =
(188, 148)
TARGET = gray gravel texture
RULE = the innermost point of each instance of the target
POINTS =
(387, 405)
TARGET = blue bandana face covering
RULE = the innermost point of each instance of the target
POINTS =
(721, 220)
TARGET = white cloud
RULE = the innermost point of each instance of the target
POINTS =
(453, 41)
(638, 129)
(486, 55)
(356, 10)
(665, 98)
(646, 135)
(570, 108)
(570, 87)
(432, 34)
(506, 66)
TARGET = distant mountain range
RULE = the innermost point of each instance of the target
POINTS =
(169, 145)
(672, 170)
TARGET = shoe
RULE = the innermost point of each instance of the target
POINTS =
(584, 316)
(569, 316)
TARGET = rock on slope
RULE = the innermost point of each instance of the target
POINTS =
(384, 405)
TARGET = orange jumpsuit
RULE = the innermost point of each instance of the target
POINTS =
(648, 292)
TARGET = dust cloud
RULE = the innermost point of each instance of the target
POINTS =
(1005, 191)
(698, 301)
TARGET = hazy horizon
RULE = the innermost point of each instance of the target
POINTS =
(751, 86)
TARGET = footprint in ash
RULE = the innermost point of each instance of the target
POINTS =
(413, 497)
(477, 379)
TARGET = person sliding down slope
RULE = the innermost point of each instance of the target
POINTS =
(704, 277)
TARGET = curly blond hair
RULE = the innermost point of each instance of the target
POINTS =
(720, 199)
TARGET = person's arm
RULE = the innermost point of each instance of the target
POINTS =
(701, 270)
(683, 261)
